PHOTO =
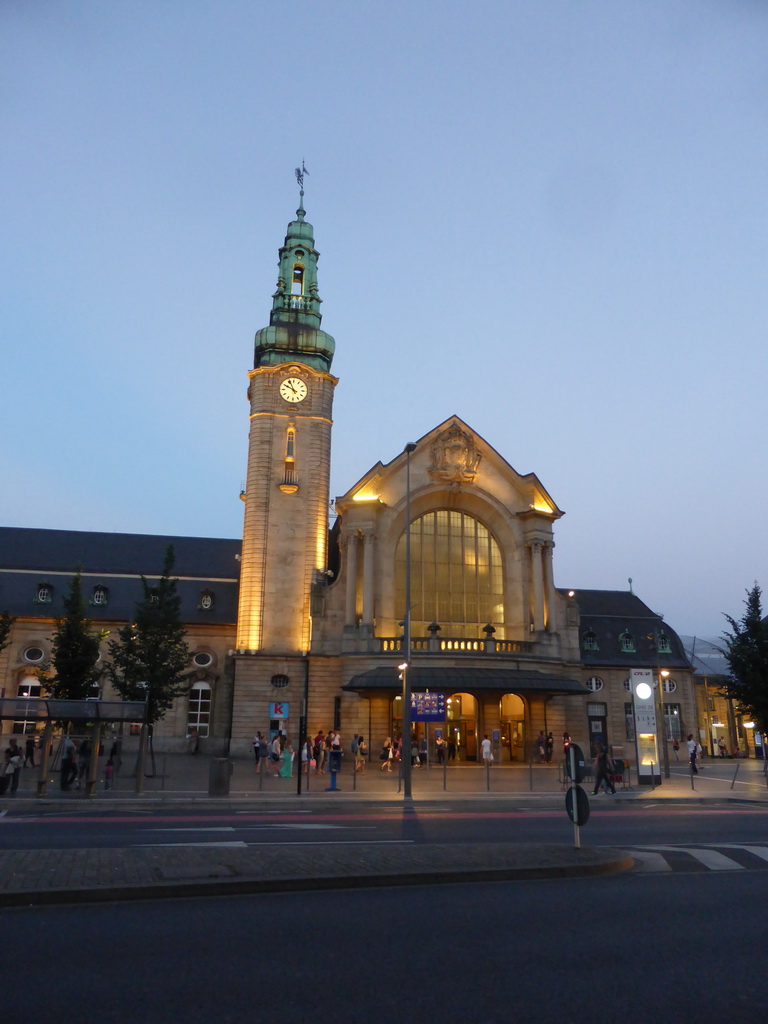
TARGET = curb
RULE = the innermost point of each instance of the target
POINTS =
(256, 886)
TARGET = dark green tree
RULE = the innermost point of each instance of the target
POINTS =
(746, 649)
(72, 673)
(150, 654)
(6, 624)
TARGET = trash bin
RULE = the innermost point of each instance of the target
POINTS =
(218, 776)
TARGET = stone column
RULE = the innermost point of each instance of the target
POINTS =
(537, 577)
(549, 586)
(368, 578)
(351, 571)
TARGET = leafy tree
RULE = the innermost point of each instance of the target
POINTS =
(746, 648)
(75, 649)
(150, 654)
(6, 624)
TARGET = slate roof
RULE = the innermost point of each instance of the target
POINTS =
(608, 614)
(116, 561)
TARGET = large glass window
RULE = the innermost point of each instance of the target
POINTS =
(456, 576)
(672, 721)
(30, 688)
(199, 713)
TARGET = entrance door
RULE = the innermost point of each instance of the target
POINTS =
(597, 716)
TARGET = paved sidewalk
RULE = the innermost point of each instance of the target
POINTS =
(185, 778)
(34, 877)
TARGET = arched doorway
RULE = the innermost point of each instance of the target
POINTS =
(512, 717)
(461, 726)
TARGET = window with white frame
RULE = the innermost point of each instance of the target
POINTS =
(594, 683)
(199, 709)
(589, 641)
(629, 720)
(30, 688)
(672, 721)
(627, 642)
(669, 685)
(100, 596)
(663, 645)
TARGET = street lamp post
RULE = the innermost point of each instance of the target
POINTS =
(663, 675)
(405, 750)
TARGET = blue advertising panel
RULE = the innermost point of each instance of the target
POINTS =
(279, 709)
(427, 707)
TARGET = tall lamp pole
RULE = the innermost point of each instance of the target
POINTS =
(405, 752)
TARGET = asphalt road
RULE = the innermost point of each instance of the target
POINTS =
(609, 825)
(623, 948)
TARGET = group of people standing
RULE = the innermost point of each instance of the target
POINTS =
(545, 746)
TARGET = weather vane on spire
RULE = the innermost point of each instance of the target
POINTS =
(300, 172)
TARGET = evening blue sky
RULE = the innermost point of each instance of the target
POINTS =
(545, 216)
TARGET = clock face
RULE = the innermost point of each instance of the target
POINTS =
(293, 389)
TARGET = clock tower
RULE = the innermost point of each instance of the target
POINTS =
(286, 494)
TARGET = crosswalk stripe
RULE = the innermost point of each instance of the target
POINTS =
(649, 861)
(756, 851)
(709, 858)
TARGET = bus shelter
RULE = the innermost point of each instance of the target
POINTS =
(46, 711)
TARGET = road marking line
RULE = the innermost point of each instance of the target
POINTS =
(155, 846)
(190, 828)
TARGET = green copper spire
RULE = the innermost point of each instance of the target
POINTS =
(294, 325)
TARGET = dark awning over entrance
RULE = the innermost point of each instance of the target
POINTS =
(456, 680)
(47, 709)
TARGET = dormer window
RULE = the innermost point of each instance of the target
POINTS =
(44, 593)
(589, 641)
(206, 600)
(663, 645)
(100, 596)
(154, 598)
(627, 642)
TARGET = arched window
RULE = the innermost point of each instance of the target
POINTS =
(30, 688)
(199, 711)
(627, 642)
(589, 641)
(456, 576)
(663, 645)
(100, 595)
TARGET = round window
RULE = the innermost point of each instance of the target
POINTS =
(669, 685)
(34, 654)
(279, 681)
(203, 659)
(594, 684)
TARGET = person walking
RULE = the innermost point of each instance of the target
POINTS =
(541, 747)
(275, 753)
(29, 751)
(262, 761)
(286, 768)
(603, 772)
(676, 748)
(486, 749)
(550, 747)
(386, 755)
(362, 750)
(691, 744)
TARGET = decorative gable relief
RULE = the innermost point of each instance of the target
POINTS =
(455, 457)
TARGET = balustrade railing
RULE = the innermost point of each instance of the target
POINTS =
(395, 644)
